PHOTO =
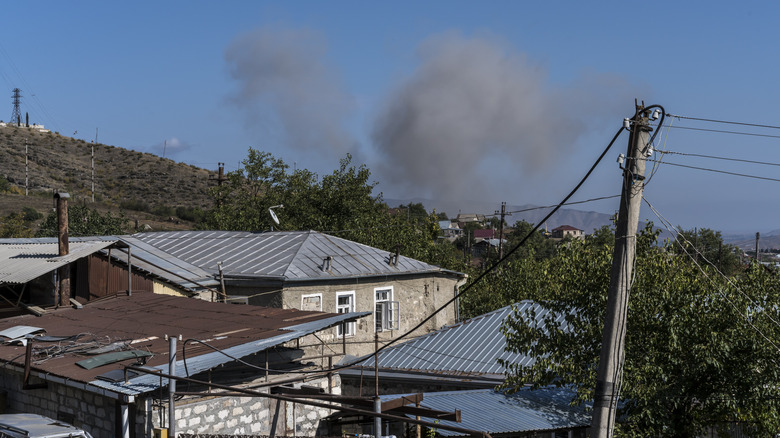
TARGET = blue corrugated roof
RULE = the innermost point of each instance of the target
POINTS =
(470, 348)
(495, 412)
(283, 255)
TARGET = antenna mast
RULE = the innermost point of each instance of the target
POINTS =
(16, 115)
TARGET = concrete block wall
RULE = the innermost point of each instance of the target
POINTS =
(89, 411)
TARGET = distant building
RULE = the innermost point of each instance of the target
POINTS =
(450, 230)
(480, 235)
(565, 231)
(464, 218)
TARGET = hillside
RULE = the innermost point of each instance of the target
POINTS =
(122, 177)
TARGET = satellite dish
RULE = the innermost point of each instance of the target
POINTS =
(273, 215)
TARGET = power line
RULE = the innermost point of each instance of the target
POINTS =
(671, 229)
(725, 132)
(745, 175)
(724, 121)
(568, 203)
(766, 163)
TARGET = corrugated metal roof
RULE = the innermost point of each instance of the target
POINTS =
(144, 318)
(283, 255)
(23, 262)
(469, 348)
(495, 412)
(144, 257)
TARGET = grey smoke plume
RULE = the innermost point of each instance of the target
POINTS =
(474, 117)
(286, 83)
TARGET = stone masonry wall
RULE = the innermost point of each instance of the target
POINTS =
(86, 410)
(418, 297)
(249, 415)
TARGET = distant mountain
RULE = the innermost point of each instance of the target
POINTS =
(584, 220)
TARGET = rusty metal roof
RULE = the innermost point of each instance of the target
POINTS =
(23, 262)
(470, 348)
(282, 255)
(142, 320)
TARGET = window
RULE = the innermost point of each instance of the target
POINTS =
(311, 302)
(345, 303)
(386, 313)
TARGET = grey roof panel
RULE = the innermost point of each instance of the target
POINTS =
(23, 262)
(289, 255)
(22, 258)
(471, 347)
(495, 412)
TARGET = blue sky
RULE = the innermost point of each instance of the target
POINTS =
(458, 101)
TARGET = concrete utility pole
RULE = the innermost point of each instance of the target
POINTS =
(610, 370)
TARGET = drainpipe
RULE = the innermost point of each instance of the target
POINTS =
(62, 247)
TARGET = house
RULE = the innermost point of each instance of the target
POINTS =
(32, 272)
(464, 218)
(483, 234)
(105, 366)
(565, 231)
(457, 367)
(527, 413)
(450, 230)
(457, 357)
(484, 246)
(310, 270)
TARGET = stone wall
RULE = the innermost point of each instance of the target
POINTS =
(89, 411)
(249, 415)
(418, 296)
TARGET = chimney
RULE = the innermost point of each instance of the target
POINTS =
(62, 222)
(62, 240)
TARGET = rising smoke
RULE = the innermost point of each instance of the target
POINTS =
(476, 118)
(288, 90)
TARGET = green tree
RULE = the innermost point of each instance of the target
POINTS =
(85, 221)
(342, 203)
(538, 244)
(15, 225)
(707, 246)
(701, 350)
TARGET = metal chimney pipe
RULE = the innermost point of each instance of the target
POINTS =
(63, 249)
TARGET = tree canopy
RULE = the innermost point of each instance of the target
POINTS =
(700, 347)
(342, 203)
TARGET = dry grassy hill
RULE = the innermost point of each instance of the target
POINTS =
(124, 179)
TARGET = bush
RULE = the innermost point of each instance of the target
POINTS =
(134, 204)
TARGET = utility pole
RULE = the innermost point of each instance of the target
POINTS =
(501, 230)
(757, 258)
(220, 178)
(26, 169)
(93, 164)
(610, 370)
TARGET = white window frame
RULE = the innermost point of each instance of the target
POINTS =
(340, 308)
(303, 297)
(388, 310)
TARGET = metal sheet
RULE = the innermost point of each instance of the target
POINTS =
(470, 348)
(23, 262)
(495, 412)
(291, 255)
